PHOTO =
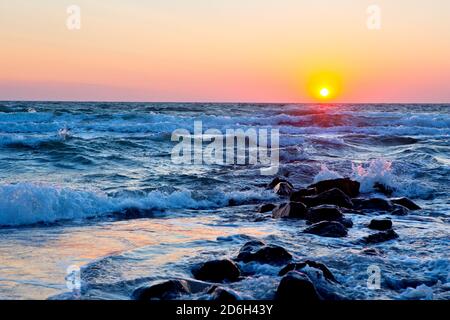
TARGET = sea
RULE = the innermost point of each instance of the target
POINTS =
(92, 186)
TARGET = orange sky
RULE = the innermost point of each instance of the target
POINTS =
(225, 50)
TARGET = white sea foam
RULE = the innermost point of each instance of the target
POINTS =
(326, 174)
(30, 203)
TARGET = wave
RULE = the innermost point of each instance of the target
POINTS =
(31, 203)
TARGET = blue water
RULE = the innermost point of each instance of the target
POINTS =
(68, 169)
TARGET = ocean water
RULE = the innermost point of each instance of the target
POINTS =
(67, 170)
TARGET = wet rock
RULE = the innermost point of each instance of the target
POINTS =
(283, 189)
(296, 286)
(380, 237)
(384, 189)
(266, 208)
(223, 295)
(312, 264)
(217, 271)
(333, 196)
(407, 203)
(346, 222)
(276, 181)
(380, 224)
(331, 229)
(399, 210)
(296, 196)
(324, 213)
(371, 252)
(134, 213)
(349, 187)
(269, 254)
(167, 290)
(292, 210)
(373, 204)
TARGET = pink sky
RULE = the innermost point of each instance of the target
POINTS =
(225, 50)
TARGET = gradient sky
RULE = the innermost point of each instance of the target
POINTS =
(225, 50)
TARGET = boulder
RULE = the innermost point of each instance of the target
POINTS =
(283, 189)
(328, 275)
(296, 196)
(167, 290)
(292, 210)
(324, 212)
(276, 181)
(371, 252)
(296, 286)
(333, 196)
(269, 254)
(380, 237)
(380, 224)
(373, 204)
(382, 188)
(266, 208)
(349, 187)
(331, 229)
(223, 295)
(346, 222)
(398, 210)
(407, 203)
(217, 271)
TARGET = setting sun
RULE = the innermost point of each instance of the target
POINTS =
(324, 92)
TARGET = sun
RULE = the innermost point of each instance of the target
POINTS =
(324, 92)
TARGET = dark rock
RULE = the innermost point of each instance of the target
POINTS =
(324, 213)
(134, 213)
(349, 187)
(292, 210)
(371, 252)
(276, 181)
(398, 210)
(346, 222)
(380, 224)
(167, 290)
(331, 229)
(407, 203)
(223, 295)
(217, 271)
(312, 264)
(384, 189)
(252, 246)
(270, 254)
(333, 196)
(296, 196)
(380, 237)
(373, 204)
(296, 286)
(266, 208)
(283, 189)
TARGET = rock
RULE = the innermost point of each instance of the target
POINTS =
(349, 187)
(399, 210)
(223, 295)
(167, 290)
(217, 271)
(276, 181)
(346, 222)
(331, 229)
(386, 190)
(252, 246)
(312, 264)
(296, 286)
(373, 204)
(324, 212)
(333, 196)
(380, 237)
(296, 196)
(134, 213)
(269, 254)
(283, 189)
(407, 203)
(371, 252)
(266, 208)
(292, 210)
(380, 224)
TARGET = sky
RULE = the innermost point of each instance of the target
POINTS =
(226, 51)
